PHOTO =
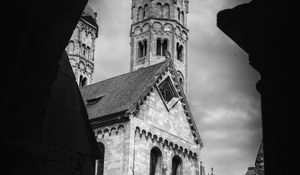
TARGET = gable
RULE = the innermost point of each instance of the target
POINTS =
(155, 113)
(187, 120)
(117, 94)
(124, 95)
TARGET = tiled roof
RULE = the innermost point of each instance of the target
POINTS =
(250, 172)
(119, 93)
(91, 20)
(110, 99)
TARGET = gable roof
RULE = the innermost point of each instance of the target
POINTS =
(122, 95)
(118, 93)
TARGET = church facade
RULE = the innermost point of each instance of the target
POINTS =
(143, 124)
(141, 119)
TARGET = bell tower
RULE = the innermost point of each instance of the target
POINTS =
(81, 47)
(158, 27)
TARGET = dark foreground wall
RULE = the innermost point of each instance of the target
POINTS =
(44, 124)
(259, 27)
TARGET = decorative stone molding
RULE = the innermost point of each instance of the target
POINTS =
(165, 143)
(109, 131)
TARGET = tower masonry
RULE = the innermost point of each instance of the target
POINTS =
(81, 47)
(158, 27)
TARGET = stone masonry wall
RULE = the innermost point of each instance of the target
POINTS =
(154, 113)
(128, 144)
(164, 19)
(169, 131)
(142, 148)
(116, 142)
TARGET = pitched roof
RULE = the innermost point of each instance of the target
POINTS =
(118, 93)
(91, 20)
(124, 93)
(250, 172)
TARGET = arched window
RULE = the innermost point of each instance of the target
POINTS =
(140, 14)
(176, 165)
(146, 11)
(182, 17)
(178, 14)
(88, 53)
(158, 46)
(82, 51)
(180, 77)
(161, 47)
(82, 81)
(140, 49)
(164, 47)
(166, 11)
(92, 55)
(71, 47)
(145, 48)
(155, 161)
(100, 162)
(159, 10)
(179, 50)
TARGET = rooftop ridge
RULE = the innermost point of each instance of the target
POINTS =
(163, 62)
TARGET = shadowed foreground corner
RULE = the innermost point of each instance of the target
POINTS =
(51, 133)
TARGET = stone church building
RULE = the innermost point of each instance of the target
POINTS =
(81, 47)
(141, 119)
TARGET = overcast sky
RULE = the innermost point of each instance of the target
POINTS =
(221, 84)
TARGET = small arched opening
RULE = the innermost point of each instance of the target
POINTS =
(145, 11)
(159, 10)
(178, 14)
(145, 48)
(140, 13)
(82, 81)
(164, 47)
(179, 50)
(182, 18)
(180, 78)
(155, 161)
(176, 165)
(140, 49)
(166, 11)
(100, 161)
(71, 47)
(158, 46)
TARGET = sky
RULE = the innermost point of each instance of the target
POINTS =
(221, 84)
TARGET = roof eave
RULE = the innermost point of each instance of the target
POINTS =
(109, 119)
